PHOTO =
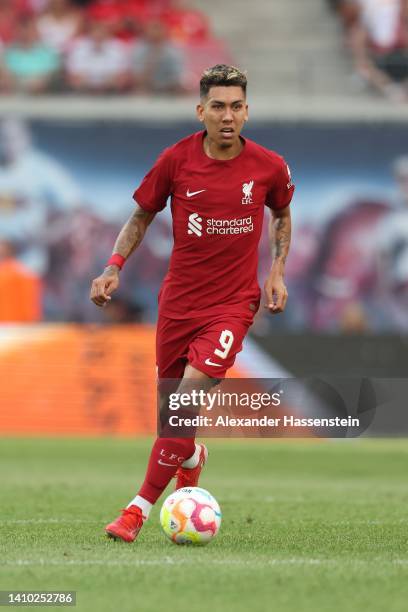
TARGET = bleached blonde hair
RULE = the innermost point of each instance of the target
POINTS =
(223, 75)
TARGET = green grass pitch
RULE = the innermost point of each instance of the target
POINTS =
(307, 526)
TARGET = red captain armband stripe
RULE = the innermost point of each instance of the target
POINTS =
(116, 260)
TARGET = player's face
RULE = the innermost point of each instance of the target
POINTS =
(223, 112)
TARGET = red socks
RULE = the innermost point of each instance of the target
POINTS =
(166, 456)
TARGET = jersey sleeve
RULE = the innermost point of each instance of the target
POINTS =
(156, 187)
(282, 188)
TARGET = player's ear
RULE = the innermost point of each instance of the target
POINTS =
(246, 113)
(200, 112)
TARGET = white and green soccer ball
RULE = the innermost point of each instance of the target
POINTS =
(190, 516)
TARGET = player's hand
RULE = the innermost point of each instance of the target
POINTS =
(103, 286)
(276, 293)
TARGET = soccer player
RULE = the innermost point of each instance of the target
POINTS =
(219, 183)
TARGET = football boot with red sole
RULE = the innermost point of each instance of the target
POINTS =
(127, 526)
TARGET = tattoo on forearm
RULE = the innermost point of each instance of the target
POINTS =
(131, 234)
(281, 238)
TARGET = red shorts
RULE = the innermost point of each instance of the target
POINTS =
(209, 345)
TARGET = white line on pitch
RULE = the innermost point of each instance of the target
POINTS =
(169, 561)
(333, 523)
(40, 521)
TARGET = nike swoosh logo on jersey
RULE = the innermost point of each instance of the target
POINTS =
(190, 194)
(168, 464)
(209, 362)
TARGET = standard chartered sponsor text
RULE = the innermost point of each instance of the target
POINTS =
(241, 225)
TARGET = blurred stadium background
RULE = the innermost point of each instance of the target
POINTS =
(91, 92)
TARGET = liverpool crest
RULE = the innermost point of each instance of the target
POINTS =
(247, 191)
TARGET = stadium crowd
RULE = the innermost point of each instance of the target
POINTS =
(103, 46)
(377, 36)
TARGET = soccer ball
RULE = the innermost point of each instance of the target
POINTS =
(190, 516)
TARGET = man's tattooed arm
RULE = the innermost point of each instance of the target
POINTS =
(131, 234)
(279, 235)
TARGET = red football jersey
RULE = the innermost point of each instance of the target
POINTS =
(218, 209)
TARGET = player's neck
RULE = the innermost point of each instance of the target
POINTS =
(214, 151)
